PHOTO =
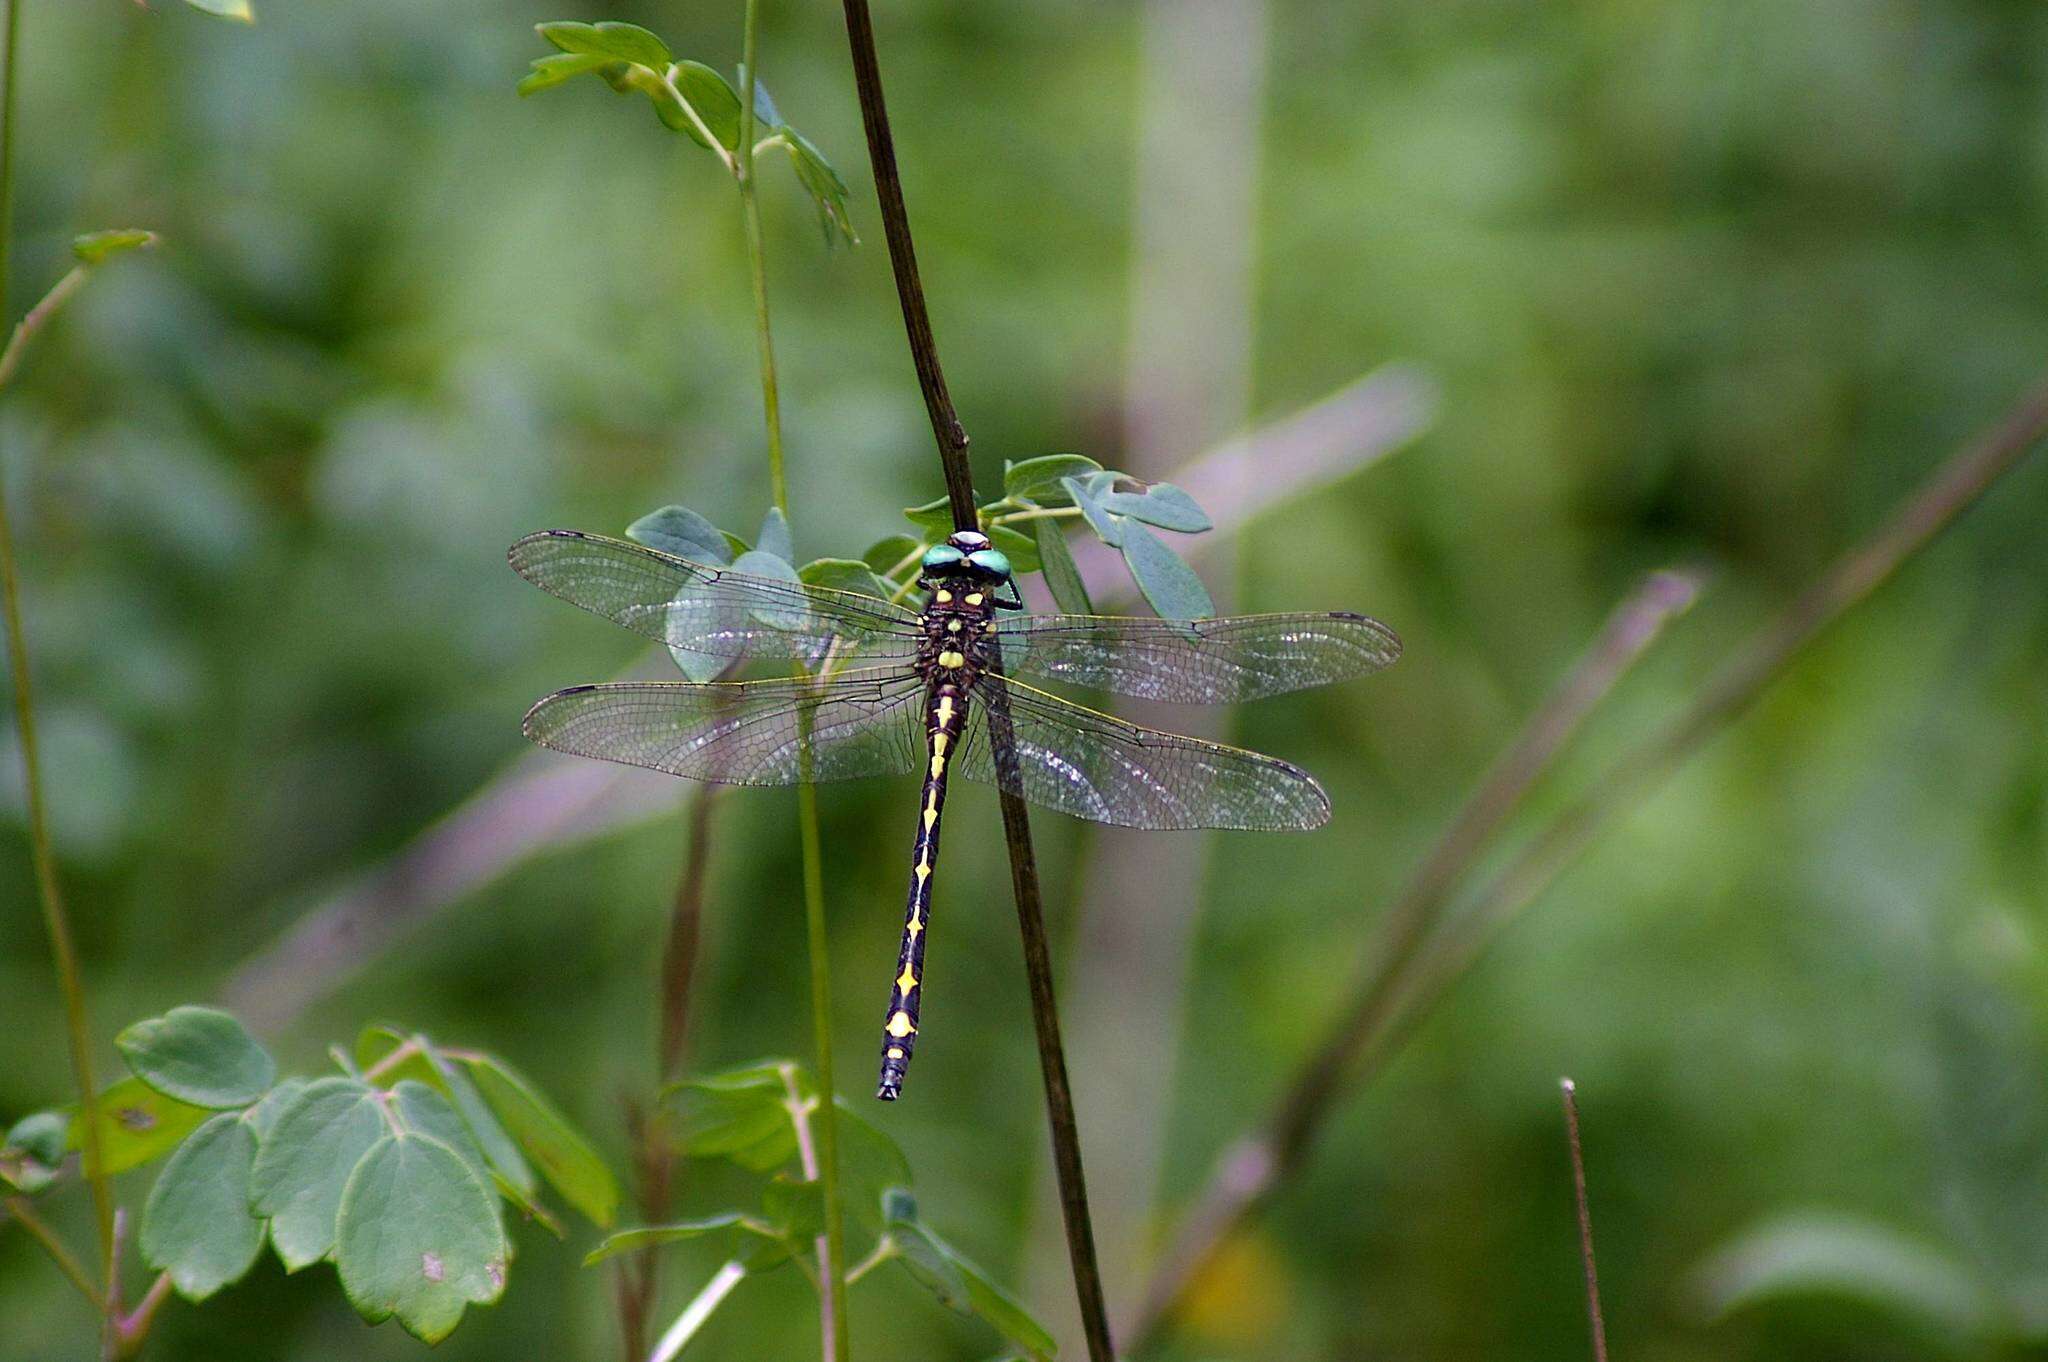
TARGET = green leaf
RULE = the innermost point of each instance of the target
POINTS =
(844, 574)
(1808, 1255)
(196, 1225)
(775, 537)
(1171, 586)
(742, 1115)
(1035, 477)
(885, 553)
(559, 68)
(263, 1116)
(1106, 526)
(870, 1163)
(1062, 574)
(651, 1236)
(561, 1153)
(712, 98)
(305, 1162)
(822, 183)
(609, 40)
(33, 1149)
(958, 1283)
(137, 1124)
(418, 1237)
(1161, 504)
(238, 10)
(1019, 547)
(935, 518)
(682, 532)
(199, 1055)
(765, 112)
(97, 248)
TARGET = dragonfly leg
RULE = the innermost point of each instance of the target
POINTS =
(946, 719)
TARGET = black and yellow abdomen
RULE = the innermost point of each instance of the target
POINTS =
(945, 720)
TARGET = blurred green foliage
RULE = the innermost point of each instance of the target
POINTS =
(1701, 282)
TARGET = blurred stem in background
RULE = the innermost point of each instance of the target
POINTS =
(1428, 943)
(656, 1164)
(951, 437)
(55, 919)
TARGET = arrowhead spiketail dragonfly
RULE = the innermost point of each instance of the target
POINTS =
(886, 690)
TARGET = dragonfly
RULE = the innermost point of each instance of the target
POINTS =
(885, 690)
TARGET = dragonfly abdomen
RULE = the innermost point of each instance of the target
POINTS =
(945, 720)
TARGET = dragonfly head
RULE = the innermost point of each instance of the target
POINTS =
(969, 551)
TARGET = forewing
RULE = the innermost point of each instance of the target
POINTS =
(1099, 767)
(742, 732)
(705, 609)
(1203, 662)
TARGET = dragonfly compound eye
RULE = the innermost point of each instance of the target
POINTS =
(992, 561)
(942, 556)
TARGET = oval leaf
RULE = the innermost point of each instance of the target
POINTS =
(418, 1237)
(196, 1225)
(561, 1153)
(682, 532)
(1062, 574)
(775, 537)
(305, 1161)
(844, 574)
(648, 1236)
(712, 97)
(1038, 476)
(199, 1055)
(1170, 585)
(137, 1124)
(1106, 526)
(1161, 504)
(610, 40)
(958, 1283)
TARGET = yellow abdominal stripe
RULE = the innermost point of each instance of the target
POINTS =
(906, 981)
(900, 1025)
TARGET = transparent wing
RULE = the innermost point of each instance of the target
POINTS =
(1099, 767)
(743, 732)
(1203, 662)
(711, 610)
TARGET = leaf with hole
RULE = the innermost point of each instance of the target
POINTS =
(137, 1124)
(199, 1055)
(197, 1225)
(305, 1161)
(1042, 475)
(682, 532)
(545, 1136)
(1106, 526)
(418, 1237)
(1169, 584)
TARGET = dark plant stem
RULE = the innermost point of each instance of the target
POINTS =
(952, 442)
(55, 920)
(1250, 1172)
(1594, 1319)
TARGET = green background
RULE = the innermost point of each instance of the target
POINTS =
(1700, 284)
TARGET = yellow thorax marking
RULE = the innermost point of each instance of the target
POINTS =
(901, 1025)
(943, 597)
(974, 598)
(951, 658)
(906, 981)
(952, 626)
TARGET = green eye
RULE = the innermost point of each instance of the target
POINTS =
(941, 555)
(991, 561)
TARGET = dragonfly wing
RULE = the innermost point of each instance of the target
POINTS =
(1204, 662)
(743, 732)
(1099, 767)
(712, 610)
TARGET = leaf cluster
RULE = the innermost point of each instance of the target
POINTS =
(692, 99)
(394, 1169)
(757, 1117)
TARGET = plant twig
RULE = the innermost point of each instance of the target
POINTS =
(700, 1308)
(1252, 1170)
(1594, 1319)
(66, 1261)
(952, 442)
(55, 919)
(757, 261)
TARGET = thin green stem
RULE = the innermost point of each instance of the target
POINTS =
(55, 919)
(66, 1261)
(1036, 513)
(832, 1270)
